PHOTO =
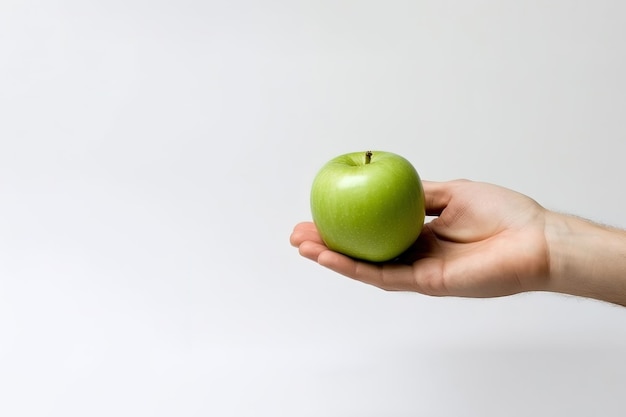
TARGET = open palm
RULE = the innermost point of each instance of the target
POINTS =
(485, 241)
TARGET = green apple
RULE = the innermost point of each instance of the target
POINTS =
(368, 205)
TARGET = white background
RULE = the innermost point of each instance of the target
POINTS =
(155, 155)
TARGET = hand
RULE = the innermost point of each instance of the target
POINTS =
(486, 241)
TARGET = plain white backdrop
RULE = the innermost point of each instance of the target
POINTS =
(155, 155)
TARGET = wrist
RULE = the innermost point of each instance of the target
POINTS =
(586, 259)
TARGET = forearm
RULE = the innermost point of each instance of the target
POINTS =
(586, 259)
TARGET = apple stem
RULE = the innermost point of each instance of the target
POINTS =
(368, 157)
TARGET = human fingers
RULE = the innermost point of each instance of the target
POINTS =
(437, 195)
(312, 250)
(305, 231)
(361, 271)
(305, 226)
(423, 276)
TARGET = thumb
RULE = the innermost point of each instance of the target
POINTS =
(437, 195)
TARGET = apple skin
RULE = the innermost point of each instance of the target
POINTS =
(370, 210)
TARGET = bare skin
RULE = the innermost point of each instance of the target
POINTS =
(489, 241)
